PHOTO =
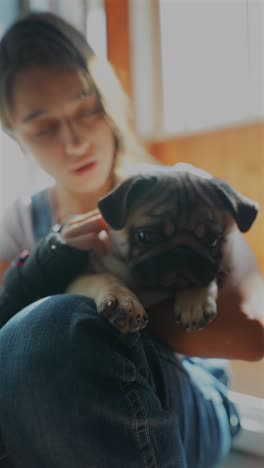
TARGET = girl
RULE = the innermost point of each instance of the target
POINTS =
(75, 392)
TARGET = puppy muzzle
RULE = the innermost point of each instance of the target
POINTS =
(178, 268)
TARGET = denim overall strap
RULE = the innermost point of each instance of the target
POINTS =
(42, 220)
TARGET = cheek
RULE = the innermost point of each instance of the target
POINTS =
(32, 148)
(49, 159)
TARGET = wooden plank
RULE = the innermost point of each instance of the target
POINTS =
(118, 40)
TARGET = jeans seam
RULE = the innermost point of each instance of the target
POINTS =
(154, 461)
(137, 406)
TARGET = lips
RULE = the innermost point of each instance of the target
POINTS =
(84, 168)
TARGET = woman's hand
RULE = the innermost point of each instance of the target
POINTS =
(87, 232)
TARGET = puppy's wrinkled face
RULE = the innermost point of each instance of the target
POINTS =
(170, 226)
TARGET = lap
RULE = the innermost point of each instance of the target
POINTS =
(93, 390)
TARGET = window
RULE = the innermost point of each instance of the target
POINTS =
(203, 60)
(9, 11)
(96, 27)
(10, 156)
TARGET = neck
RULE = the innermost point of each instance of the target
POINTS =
(66, 203)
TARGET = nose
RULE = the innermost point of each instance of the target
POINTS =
(76, 144)
(179, 267)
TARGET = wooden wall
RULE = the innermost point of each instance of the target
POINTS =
(118, 40)
(235, 154)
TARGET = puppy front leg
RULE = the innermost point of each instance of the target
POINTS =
(194, 308)
(113, 300)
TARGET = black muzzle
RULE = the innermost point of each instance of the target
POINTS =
(180, 267)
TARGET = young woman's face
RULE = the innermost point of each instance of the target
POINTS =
(59, 120)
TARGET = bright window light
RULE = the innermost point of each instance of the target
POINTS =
(208, 70)
(39, 5)
(96, 27)
(200, 68)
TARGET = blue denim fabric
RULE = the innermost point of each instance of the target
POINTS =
(76, 393)
(42, 217)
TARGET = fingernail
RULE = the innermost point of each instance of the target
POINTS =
(103, 236)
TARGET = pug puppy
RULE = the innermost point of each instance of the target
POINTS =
(168, 228)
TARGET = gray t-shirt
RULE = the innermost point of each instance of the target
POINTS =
(25, 222)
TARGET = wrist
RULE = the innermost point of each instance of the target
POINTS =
(47, 270)
(59, 262)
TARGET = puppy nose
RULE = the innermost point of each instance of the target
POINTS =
(193, 268)
(180, 267)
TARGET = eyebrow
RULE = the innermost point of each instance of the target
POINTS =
(35, 114)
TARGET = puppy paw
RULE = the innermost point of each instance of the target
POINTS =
(195, 308)
(124, 312)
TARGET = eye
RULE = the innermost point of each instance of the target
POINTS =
(212, 239)
(147, 236)
(214, 243)
(88, 114)
(46, 130)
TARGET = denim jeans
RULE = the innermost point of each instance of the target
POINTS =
(76, 393)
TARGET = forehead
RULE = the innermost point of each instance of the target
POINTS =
(40, 88)
(177, 200)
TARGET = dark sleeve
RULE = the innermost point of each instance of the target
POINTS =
(48, 270)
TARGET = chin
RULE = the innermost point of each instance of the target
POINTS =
(90, 184)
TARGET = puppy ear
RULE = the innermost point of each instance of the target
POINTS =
(116, 205)
(242, 208)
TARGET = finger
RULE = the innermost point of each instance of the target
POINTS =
(104, 237)
(82, 217)
(88, 242)
(85, 226)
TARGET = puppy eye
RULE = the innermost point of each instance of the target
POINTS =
(214, 243)
(147, 237)
(212, 239)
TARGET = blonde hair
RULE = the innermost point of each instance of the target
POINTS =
(44, 39)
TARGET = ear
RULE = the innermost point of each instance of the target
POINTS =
(242, 208)
(116, 205)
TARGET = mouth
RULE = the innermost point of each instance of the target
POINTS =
(84, 168)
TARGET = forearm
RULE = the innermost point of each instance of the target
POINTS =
(54, 263)
(238, 330)
(232, 335)
(48, 270)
